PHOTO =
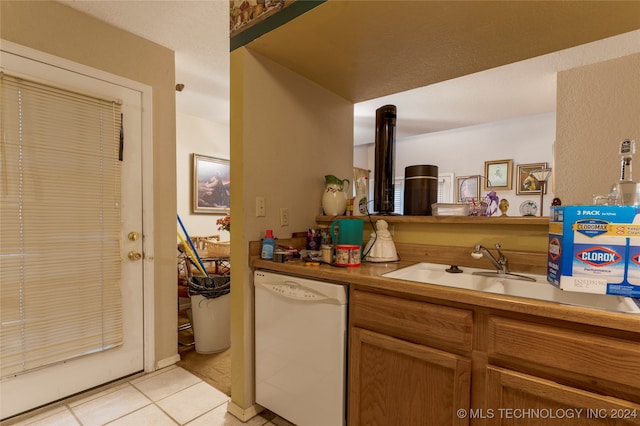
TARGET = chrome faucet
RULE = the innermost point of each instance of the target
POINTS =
(501, 263)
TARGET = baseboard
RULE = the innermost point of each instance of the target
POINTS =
(167, 361)
(243, 414)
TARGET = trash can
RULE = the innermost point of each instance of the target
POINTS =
(210, 307)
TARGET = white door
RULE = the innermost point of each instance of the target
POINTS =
(41, 386)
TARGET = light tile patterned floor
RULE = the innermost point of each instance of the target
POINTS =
(171, 396)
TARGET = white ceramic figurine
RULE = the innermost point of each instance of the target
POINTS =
(380, 247)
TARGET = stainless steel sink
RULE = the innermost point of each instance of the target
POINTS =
(540, 289)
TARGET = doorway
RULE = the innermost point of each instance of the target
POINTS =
(35, 387)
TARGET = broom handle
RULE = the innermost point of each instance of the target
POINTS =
(186, 234)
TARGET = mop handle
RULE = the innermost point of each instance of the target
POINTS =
(190, 254)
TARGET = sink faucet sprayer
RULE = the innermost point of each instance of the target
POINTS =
(501, 263)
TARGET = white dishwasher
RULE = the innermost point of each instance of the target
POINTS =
(300, 347)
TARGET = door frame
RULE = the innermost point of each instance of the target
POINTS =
(149, 358)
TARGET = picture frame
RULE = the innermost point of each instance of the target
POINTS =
(467, 187)
(498, 174)
(524, 185)
(211, 182)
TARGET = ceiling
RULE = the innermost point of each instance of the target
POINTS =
(198, 32)
(515, 90)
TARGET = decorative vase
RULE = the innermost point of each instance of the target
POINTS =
(334, 198)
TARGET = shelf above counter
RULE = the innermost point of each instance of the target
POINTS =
(480, 220)
(518, 233)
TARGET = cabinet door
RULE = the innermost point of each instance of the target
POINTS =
(519, 399)
(397, 383)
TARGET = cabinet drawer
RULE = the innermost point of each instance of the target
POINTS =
(433, 325)
(607, 359)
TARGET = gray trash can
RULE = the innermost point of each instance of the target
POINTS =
(210, 307)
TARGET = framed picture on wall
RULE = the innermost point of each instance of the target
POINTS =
(467, 188)
(525, 183)
(498, 175)
(211, 184)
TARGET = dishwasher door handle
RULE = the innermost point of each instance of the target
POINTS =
(293, 291)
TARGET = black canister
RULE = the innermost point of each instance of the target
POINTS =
(385, 149)
(420, 189)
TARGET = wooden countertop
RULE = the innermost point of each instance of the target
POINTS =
(368, 276)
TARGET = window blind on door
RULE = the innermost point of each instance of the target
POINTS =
(60, 258)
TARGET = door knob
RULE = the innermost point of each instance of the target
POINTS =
(133, 236)
(134, 255)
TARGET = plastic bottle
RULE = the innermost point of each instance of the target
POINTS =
(268, 245)
(360, 201)
(633, 257)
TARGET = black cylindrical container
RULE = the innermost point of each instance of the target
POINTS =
(384, 173)
(420, 189)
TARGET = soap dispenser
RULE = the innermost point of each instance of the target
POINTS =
(626, 191)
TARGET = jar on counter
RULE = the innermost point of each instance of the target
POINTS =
(326, 253)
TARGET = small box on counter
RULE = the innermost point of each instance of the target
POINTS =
(449, 209)
(595, 249)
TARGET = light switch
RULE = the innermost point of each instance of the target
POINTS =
(260, 207)
(284, 216)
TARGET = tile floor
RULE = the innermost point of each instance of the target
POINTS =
(171, 396)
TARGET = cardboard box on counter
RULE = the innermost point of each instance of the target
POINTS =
(595, 249)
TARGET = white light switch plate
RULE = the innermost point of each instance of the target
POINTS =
(284, 216)
(261, 211)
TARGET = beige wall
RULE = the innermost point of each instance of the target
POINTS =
(286, 134)
(598, 106)
(204, 137)
(61, 31)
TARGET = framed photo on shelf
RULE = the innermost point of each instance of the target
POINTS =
(526, 184)
(211, 184)
(467, 187)
(498, 175)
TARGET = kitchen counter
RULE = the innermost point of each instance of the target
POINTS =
(368, 277)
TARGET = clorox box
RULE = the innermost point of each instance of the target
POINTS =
(595, 249)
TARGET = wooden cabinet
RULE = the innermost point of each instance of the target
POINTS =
(441, 327)
(438, 362)
(397, 374)
(394, 382)
(519, 399)
(588, 360)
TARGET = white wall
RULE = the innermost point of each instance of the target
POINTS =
(463, 151)
(196, 135)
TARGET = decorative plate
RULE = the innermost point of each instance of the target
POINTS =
(528, 208)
